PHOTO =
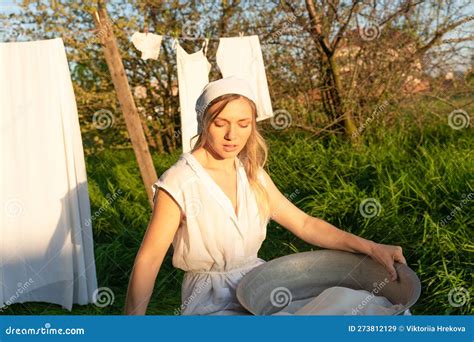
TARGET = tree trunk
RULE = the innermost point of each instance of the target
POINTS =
(333, 100)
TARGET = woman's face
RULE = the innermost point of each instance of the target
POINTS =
(230, 130)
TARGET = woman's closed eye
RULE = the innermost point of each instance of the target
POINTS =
(222, 125)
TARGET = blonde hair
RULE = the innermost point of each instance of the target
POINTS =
(254, 154)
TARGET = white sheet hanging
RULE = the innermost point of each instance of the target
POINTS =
(193, 75)
(46, 245)
(242, 57)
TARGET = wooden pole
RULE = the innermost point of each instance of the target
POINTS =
(124, 95)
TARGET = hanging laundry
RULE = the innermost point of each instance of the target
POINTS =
(193, 75)
(46, 251)
(148, 43)
(242, 57)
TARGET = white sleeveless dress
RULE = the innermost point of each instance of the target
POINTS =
(213, 245)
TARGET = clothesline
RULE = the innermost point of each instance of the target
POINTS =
(189, 38)
(214, 38)
(154, 40)
(193, 38)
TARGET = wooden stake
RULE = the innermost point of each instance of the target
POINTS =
(124, 95)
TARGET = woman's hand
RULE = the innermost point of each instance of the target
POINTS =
(386, 255)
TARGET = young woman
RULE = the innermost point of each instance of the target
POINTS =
(214, 204)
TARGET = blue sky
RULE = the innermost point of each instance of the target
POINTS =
(13, 6)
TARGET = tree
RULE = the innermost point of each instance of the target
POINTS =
(329, 64)
(330, 23)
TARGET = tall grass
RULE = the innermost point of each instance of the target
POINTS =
(418, 177)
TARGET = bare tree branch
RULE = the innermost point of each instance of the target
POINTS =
(316, 28)
(441, 32)
(405, 8)
(457, 40)
(343, 28)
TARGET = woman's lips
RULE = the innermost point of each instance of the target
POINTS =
(230, 147)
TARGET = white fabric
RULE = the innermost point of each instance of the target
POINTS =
(338, 300)
(242, 57)
(46, 245)
(214, 89)
(148, 43)
(193, 75)
(213, 245)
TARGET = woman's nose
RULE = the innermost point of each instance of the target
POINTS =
(230, 132)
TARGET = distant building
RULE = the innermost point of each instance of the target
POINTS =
(402, 44)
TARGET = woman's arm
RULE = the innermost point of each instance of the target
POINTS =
(156, 242)
(321, 233)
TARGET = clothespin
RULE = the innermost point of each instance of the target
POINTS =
(145, 24)
(97, 16)
(175, 42)
(206, 42)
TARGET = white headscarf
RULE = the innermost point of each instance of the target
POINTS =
(227, 85)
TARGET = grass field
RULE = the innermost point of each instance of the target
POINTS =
(418, 177)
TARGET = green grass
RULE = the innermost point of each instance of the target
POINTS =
(418, 177)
